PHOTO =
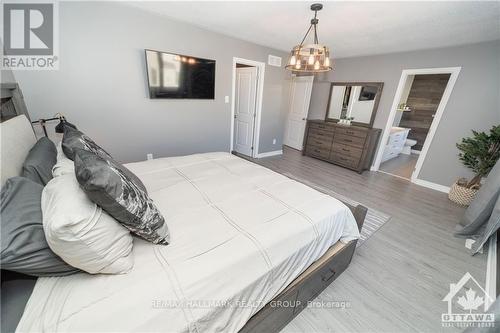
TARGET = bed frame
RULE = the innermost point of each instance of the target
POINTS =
(291, 301)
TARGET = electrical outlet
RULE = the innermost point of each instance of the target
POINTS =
(274, 141)
(149, 156)
(226, 99)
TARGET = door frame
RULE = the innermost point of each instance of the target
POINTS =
(261, 69)
(454, 72)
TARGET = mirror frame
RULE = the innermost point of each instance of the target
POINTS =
(379, 86)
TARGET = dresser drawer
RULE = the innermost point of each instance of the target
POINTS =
(318, 152)
(320, 134)
(349, 140)
(347, 150)
(348, 161)
(322, 126)
(349, 131)
(319, 142)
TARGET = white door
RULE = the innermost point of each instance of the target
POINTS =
(300, 96)
(245, 99)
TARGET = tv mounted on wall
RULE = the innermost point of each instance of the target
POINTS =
(173, 75)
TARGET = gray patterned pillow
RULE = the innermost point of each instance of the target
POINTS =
(106, 184)
(73, 139)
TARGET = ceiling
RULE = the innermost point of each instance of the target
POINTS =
(348, 28)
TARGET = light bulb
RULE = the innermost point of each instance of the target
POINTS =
(327, 62)
(316, 65)
(293, 60)
(311, 59)
(297, 65)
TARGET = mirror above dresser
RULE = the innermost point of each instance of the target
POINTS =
(354, 101)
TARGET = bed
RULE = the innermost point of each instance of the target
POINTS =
(249, 247)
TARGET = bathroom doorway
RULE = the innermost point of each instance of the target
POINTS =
(420, 100)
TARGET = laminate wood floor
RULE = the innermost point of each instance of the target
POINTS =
(401, 166)
(399, 276)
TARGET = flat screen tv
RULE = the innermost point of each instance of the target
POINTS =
(173, 75)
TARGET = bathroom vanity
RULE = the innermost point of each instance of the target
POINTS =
(395, 143)
(351, 146)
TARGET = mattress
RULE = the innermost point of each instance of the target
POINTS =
(240, 233)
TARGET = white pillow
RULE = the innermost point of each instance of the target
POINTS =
(80, 232)
(63, 164)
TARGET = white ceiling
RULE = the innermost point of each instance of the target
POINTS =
(348, 28)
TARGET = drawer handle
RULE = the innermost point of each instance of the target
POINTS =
(349, 132)
(316, 150)
(344, 159)
(344, 149)
(347, 140)
(332, 274)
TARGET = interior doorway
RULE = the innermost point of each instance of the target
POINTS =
(246, 106)
(419, 103)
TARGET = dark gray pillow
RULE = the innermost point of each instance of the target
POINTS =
(106, 184)
(15, 296)
(24, 248)
(73, 139)
(40, 160)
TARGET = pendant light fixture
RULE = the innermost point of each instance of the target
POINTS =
(310, 58)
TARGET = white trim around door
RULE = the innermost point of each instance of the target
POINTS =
(261, 66)
(453, 71)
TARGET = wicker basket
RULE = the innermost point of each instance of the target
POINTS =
(462, 195)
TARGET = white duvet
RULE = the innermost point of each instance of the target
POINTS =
(240, 233)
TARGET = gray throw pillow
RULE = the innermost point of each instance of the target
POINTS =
(40, 160)
(24, 248)
(73, 139)
(106, 184)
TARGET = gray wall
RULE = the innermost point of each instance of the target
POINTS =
(7, 76)
(101, 84)
(473, 104)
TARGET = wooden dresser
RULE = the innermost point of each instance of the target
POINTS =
(352, 147)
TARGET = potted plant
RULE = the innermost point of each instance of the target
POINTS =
(479, 153)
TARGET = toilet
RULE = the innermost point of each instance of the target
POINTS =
(407, 147)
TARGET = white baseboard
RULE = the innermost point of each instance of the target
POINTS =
(434, 186)
(416, 152)
(270, 153)
(491, 271)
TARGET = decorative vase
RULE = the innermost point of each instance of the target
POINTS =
(462, 195)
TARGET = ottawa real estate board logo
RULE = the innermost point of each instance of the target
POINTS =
(468, 303)
(29, 35)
